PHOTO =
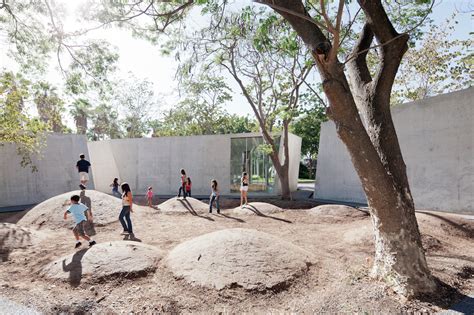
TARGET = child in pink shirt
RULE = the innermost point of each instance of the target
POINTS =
(149, 196)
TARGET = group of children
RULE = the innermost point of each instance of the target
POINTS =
(82, 214)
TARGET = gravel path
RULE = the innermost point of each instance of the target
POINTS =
(8, 307)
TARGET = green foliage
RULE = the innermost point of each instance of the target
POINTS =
(81, 110)
(16, 125)
(201, 111)
(105, 123)
(304, 172)
(263, 55)
(49, 105)
(308, 127)
(90, 70)
(135, 100)
(31, 42)
(436, 65)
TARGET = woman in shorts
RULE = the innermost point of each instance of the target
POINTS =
(244, 187)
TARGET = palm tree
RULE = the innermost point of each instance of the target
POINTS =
(81, 112)
(105, 123)
(49, 105)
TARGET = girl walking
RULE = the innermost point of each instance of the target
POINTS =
(149, 196)
(188, 187)
(244, 187)
(115, 187)
(182, 188)
(127, 202)
(214, 196)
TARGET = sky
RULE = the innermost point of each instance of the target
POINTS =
(145, 61)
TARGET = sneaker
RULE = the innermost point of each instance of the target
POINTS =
(78, 244)
(82, 187)
(218, 211)
(210, 211)
(92, 243)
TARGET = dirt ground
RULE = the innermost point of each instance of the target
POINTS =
(337, 280)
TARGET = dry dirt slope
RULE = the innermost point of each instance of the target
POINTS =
(334, 250)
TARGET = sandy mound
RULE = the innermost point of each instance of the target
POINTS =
(49, 213)
(451, 224)
(238, 257)
(15, 237)
(337, 212)
(182, 206)
(118, 258)
(257, 208)
(363, 234)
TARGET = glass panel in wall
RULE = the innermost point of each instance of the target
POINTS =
(247, 156)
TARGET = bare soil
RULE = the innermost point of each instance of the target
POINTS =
(336, 281)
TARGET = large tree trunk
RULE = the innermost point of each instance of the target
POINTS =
(282, 169)
(399, 256)
(285, 187)
(81, 125)
(283, 175)
(375, 151)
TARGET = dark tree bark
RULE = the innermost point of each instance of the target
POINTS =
(371, 138)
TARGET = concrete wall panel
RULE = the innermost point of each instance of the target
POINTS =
(56, 174)
(437, 140)
(104, 169)
(156, 162)
(294, 146)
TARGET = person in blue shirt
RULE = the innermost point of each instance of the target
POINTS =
(80, 214)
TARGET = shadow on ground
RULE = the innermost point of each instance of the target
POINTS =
(260, 214)
(191, 210)
(75, 267)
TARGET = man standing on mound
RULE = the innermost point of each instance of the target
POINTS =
(83, 168)
(77, 210)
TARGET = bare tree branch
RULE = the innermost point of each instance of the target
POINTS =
(296, 14)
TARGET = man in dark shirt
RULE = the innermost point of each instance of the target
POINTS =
(83, 168)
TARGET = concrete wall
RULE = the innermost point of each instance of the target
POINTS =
(56, 174)
(156, 162)
(437, 141)
(294, 146)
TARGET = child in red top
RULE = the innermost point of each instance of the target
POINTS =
(149, 196)
(188, 187)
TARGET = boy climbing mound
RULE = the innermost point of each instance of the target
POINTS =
(77, 210)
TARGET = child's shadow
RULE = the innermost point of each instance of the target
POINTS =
(75, 267)
(89, 226)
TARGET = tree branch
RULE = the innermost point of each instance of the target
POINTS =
(306, 27)
(397, 36)
(358, 64)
